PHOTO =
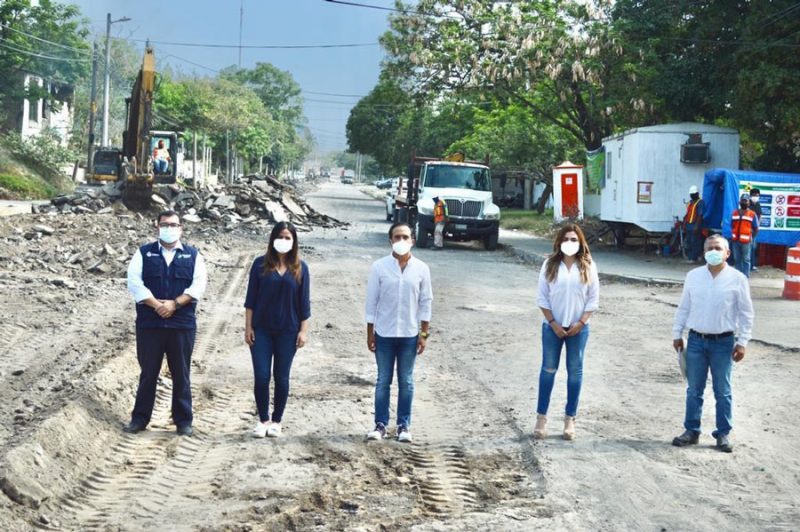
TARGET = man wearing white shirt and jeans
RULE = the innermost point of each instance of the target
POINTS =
(398, 314)
(166, 278)
(715, 304)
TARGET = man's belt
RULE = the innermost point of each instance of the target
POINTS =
(711, 336)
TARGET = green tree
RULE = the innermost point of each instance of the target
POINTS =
(733, 63)
(519, 144)
(281, 96)
(26, 36)
(375, 121)
(557, 58)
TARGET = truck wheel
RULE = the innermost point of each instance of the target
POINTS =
(422, 236)
(490, 240)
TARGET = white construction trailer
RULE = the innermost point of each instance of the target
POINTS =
(648, 172)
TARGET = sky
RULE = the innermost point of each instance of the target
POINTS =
(350, 71)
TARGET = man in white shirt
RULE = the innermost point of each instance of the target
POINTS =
(714, 306)
(398, 314)
(166, 279)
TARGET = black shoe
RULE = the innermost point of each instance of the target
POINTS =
(689, 437)
(724, 444)
(185, 430)
(133, 427)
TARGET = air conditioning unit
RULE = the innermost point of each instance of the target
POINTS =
(699, 153)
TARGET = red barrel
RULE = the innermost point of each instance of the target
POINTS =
(791, 283)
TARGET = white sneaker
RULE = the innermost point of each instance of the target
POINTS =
(378, 433)
(274, 430)
(403, 435)
(260, 430)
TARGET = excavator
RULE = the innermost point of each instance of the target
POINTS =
(147, 156)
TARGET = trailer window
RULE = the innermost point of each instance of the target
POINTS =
(443, 176)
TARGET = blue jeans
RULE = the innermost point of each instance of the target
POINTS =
(272, 354)
(551, 354)
(160, 166)
(753, 254)
(403, 352)
(693, 243)
(702, 354)
(741, 257)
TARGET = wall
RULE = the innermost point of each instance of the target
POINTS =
(37, 116)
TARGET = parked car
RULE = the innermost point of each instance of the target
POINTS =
(384, 183)
(347, 180)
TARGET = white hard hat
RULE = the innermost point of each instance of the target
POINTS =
(692, 189)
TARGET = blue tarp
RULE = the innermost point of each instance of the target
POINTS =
(780, 202)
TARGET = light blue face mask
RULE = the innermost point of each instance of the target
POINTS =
(714, 257)
(169, 235)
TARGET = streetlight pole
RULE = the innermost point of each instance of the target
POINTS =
(107, 88)
(92, 111)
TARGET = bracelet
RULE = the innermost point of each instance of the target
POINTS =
(551, 321)
(582, 323)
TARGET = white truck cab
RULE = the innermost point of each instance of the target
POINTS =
(466, 189)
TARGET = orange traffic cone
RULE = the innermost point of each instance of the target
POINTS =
(791, 283)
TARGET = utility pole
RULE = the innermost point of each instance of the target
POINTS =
(92, 112)
(241, 25)
(228, 157)
(107, 88)
(194, 158)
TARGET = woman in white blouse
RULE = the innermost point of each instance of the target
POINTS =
(569, 292)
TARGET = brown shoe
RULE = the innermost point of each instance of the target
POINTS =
(569, 428)
(540, 431)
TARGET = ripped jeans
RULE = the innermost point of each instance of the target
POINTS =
(552, 346)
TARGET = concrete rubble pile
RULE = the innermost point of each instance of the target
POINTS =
(254, 202)
(63, 248)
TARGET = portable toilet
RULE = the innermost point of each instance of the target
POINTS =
(567, 191)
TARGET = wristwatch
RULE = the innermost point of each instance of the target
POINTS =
(424, 334)
(177, 304)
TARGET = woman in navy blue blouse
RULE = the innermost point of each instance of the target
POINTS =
(277, 308)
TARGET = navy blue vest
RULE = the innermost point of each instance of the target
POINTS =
(167, 282)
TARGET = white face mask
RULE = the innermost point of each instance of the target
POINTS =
(570, 248)
(282, 245)
(401, 247)
(169, 235)
(714, 257)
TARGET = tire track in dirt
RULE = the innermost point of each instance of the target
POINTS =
(444, 479)
(10, 336)
(142, 471)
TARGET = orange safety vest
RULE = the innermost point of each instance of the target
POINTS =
(742, 226)
(691, 211)
(439, 212)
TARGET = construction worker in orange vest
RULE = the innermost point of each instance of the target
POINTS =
(439, 220)
(744, 227)
(693, 224)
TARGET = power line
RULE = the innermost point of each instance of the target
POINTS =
(255, 46)
(368, 6)
(336, 94)
(759, 44)
(8, 46)
(392, 9)
(192, 63)
(84, 51)
(774, 17)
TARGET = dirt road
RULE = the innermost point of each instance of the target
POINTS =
(67, 466)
